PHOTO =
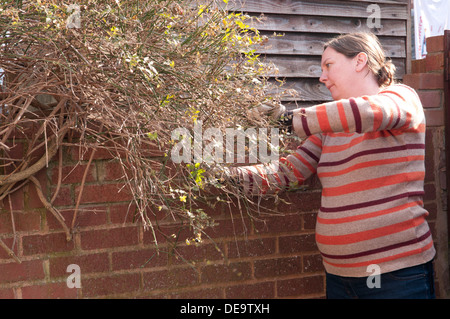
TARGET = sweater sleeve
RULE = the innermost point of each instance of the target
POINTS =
(288, 172)
(396, 107)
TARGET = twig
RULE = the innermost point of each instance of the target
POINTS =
(10, 252)
(58, 185)
(83, 181)
(50, 207)
(53, 148)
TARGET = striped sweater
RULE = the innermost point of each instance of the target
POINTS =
(368, 153)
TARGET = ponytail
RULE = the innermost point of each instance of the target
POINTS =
(385, 75)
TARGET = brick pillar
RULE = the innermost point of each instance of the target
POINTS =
(427, 78)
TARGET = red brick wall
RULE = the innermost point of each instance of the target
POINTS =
(275, 256)
(427, 77)
(272, 257)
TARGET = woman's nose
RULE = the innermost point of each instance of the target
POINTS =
(323, 77)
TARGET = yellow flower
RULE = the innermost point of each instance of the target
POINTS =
(183, 199)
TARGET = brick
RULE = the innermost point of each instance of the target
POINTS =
(435, 62)
(300, 286)
(424, 81)
(297, 243)
(50, 291)
(91, 263)
(32, 199)
(25, 271)
(220, 273)
(25, 221)
(435, 44)
(173, 278)
(313, 263)
(46, 244)
(110, 285)
(251, 248)
(15, 201)
(264, 290)
(81, 154)
(279, 223)
(168, 234)
(299, 202)
(143, 258)
(278, 267)
(123, 213)
(432, 209)
(74, 174)
(111, 171)
(202, 252)
(430, 192)
(418, 66)
(227, 228)
(431, 99)
(64, 197)
(435, 117)
(210, 206)
(6, 293)
(86, 217)
(104, 193)
(16, 152)
(193, 293)
(8, 242)
(309, 221)
(109, 238)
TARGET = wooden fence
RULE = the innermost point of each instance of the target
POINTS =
(303, 26)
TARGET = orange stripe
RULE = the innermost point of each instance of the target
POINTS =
(305, 162)
(377, 114)
(391, 118)
(315, 140)
(407, 121)
(322, 117)
(370, 234)
(385, 259)
(373, 183)
(372, 164)
(357, 140)
(421, 128)
(396, 105)
(265, 183)
(297, 174)
(395, 93)
(368, 136)
(334, 221)
(342, 116)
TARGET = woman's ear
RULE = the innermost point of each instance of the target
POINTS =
(361, 61)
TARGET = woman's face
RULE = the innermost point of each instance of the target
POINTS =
(339, 73)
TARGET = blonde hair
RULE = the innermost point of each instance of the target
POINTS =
(352, 44)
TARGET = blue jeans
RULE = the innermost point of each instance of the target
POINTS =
(415, 282)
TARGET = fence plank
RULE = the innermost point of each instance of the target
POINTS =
(309, 66)
(319, 24)
(312, 44)
(325, 7)
(308, 90)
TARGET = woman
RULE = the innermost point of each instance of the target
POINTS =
(368, 149)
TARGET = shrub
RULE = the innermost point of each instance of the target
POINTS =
(121, 76)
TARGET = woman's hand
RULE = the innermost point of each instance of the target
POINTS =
(273, 110)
